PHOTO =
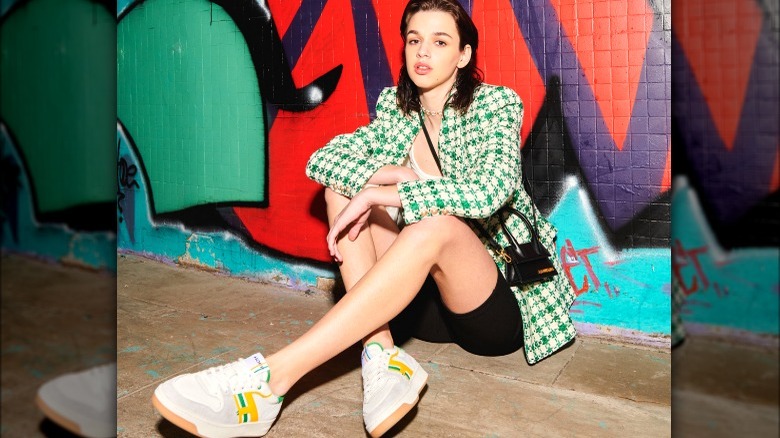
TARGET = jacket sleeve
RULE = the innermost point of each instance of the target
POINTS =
(346, 162)
(499, 115)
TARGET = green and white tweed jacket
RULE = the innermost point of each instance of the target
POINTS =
(480, 161)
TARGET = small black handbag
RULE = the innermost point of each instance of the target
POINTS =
(524, 262)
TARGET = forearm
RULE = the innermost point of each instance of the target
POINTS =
(384, 195)
(392, 175)
(355, 215)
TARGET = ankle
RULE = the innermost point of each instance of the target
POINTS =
(278, 388)
(278, 381)
(385, 341)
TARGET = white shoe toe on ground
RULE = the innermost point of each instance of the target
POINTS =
(83, 402)
(232, 400)
(392, 382)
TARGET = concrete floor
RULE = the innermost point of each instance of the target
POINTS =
(172, 320)
(55, 319)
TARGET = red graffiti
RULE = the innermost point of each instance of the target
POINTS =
(293, 223)
(611, 291)
(580, 303)
(571, 257)
(683, 258)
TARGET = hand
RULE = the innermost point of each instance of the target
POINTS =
(352, 218)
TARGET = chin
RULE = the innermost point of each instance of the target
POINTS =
(423, 84)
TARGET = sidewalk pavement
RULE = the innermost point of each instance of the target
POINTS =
(173, 320)
(56, 319)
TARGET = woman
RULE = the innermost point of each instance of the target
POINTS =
(386, 168)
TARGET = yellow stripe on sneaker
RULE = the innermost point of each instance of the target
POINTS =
(397, 365)
(246, 408)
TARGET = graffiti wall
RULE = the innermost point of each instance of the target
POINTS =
(727, 172)
(220, 104)
(56, 130)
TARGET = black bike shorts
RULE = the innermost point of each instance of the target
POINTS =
(495, 328)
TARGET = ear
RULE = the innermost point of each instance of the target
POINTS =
(465, 56)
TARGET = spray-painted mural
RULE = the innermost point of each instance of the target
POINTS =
(56, 109)
(220, 104)
(727, 172)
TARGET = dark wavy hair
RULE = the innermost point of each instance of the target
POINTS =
(468, 78)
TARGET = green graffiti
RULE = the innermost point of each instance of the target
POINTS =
(54, 91)
(189, 97)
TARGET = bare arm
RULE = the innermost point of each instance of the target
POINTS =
(355, 215)
(390, 174)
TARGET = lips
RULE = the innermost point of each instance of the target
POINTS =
(422, 68)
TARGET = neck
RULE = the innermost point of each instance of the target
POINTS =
(434, 99)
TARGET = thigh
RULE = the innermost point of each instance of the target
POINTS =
(464, 271)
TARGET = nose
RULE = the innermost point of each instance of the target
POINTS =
(422, 51)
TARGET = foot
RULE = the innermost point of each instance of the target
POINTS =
(392, 381)
(227, 401)
(83, 403)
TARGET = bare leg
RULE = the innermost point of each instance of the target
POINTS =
(361, 255)
(443, 245)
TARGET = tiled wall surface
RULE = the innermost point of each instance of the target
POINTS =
(195, 76)
(220, 104)
(725, 253)
(57, 103)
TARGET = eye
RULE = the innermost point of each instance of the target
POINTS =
(440, 43)
(413, 41)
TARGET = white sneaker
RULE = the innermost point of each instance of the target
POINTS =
(392, 381)
(227, 401)
(83, 403)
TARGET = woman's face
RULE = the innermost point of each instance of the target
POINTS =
(432, 50)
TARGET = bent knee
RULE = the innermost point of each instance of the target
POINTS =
(439, 227)
(334, 198)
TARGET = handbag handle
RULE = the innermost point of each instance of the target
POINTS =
(496, 247)
(430, 143)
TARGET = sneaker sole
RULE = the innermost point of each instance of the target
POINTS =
(256, 429)
(173, 418)
(402, 410)
(56, 417)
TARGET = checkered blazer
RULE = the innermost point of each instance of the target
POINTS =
(480, 161)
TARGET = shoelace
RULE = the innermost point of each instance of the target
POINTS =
(231, 377)
(375, 376)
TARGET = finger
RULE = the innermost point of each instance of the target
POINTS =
(359, 225)
(336, 252)
(332, 244)
(331, 241)
(354, 232)
(337, 257)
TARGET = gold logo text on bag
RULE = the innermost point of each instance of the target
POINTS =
(545, 270)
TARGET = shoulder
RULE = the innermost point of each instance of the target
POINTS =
(495, 100)
(387, 102)
(492, 95)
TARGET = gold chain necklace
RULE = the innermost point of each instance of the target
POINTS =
(428, 112)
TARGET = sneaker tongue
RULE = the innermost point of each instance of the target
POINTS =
(256, 364)
(371, 351)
